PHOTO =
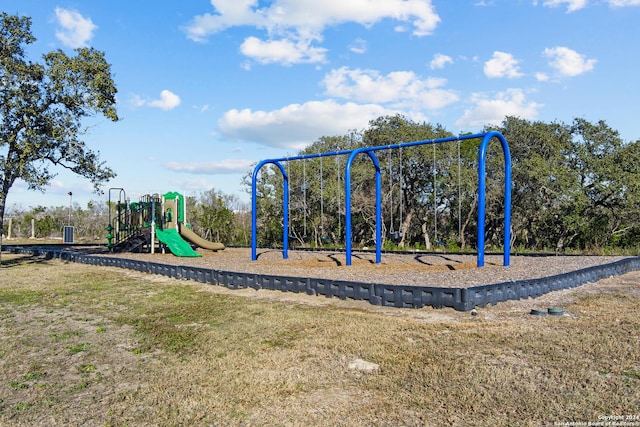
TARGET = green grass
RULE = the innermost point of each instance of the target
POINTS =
(77, 348)
(21, 297)
(65, 335)
(87, 368)
(17, 385)
(30, 376)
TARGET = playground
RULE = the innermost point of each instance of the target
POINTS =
(157, 225)
(153, 235)
(154, 221)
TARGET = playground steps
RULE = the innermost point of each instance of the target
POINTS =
(135, 242)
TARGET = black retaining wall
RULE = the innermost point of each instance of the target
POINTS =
(461, 299)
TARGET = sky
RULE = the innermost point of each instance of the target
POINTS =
(207, 88)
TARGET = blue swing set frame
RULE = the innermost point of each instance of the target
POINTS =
(370, 152)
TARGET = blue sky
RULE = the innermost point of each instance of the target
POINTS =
(206, 88)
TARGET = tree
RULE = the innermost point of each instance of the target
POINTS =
(415, 206)
(214, 216)
(317, 199)
(269, 204)
(600, 171)
(544, 183)
(627, 230)
(41, 110)
(574, 185)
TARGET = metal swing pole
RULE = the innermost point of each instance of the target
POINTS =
(401, 191)
(289, 191)
(435, 203)
(321, 203)
(459, 196)
(304, 195)
(339, 197)
(391, 228)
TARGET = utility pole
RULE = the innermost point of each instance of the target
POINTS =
(70, 200)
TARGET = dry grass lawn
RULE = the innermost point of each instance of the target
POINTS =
(82, 345)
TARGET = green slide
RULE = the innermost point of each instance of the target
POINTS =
(177, 245)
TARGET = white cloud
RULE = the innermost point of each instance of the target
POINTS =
(283, 15)
(542, 77)
(283, 51)
(220, 167)
(439, 61)
(502, 64)
(358, 46)
(297, 125)
(400, 89)
(75, 30)
(300, 22)
(568, 62)
(193, 186)
(572, 5)
(136, 101)
(57, 184)
(488, 111)
(168, 101)
(624, 3)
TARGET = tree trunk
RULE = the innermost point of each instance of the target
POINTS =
(463, 241)
(425, 233)
(405, 226)
(512, 240)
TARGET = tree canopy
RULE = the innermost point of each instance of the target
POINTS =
(575, 186)
(42, 106)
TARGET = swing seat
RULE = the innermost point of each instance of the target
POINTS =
(396, 236)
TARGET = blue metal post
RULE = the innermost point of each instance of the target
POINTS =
(285, 214)
(285, 233)
(347, 206)
(347, 203)
(254, 209)
(486, 137)
(482, 155)
(374, 159)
